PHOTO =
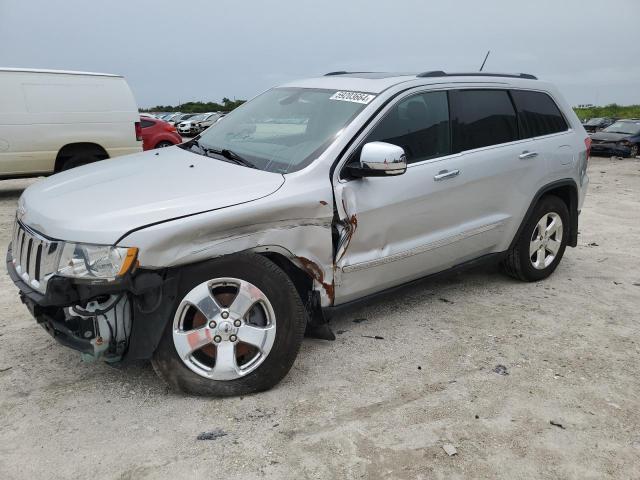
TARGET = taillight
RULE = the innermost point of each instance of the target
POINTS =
(138, 126)
(169, 128)
(587, 143)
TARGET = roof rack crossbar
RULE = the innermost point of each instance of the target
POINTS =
(440, 73)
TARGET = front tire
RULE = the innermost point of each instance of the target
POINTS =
(542, 242)
(236, 330)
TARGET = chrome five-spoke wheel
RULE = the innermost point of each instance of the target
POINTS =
(546, 241)
(224, 328)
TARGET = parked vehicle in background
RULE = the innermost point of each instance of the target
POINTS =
(53, 120)
(622, 139)
(175, 120)
(189, 127)
(213, 118)
(212, 258)
(157, 133)
(596, 124)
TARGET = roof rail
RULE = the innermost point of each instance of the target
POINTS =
(339, 72)
(440, 73)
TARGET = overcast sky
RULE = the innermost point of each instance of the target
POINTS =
(173, 51)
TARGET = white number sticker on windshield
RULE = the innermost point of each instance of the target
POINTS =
(357, 97)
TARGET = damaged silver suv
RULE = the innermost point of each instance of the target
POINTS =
(212, 258)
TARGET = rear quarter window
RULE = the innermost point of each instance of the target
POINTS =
(538, 114)
(481, 118)
(147, 123)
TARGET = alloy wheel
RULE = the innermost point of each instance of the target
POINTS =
(546, 241)
(224, 328)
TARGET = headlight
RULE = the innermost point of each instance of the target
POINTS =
(81, 260)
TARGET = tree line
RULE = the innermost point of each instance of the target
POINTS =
(197, 107)
(584, 113)
(612, 110)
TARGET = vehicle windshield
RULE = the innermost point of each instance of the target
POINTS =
(595, 121)
(284, 129)
(630, 128)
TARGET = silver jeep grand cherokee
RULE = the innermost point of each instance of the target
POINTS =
(212, 258)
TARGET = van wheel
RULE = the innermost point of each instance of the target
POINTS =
(542, 242)
(236, 330)
(78, 161)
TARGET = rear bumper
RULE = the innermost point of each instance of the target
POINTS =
(608, 149)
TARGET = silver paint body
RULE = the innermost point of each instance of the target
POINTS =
(179, 208)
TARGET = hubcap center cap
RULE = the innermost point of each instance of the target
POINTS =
(226, 330)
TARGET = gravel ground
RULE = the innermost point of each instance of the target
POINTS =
(523, 380)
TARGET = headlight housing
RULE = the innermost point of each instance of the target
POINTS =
(104, 262)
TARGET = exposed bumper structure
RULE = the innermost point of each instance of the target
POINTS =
(116, 322)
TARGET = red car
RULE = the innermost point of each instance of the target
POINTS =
(157, 133)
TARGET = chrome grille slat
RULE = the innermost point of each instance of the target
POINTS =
(35, 257)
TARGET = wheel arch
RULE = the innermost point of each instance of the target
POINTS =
(567, 191)
(72, 149)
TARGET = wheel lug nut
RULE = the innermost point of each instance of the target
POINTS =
(212, 324)
(217, 339)
(233, 338)
(224, 314)
(237, 323)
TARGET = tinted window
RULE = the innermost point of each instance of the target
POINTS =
(482, 117)
(537, 114)
(419, 124)
(147, 123)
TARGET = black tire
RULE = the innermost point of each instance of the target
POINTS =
(633, 151)
(78, 161)
(164, 144)
(290, 325)
(518, 262)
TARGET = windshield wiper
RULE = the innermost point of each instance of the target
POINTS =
(230, 155)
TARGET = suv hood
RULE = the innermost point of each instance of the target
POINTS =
(100, 202)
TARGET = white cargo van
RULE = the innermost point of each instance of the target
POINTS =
(54, 120)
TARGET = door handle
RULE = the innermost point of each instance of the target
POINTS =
(526, 155)
(444, 174)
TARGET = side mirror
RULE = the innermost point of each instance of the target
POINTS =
(379, 159)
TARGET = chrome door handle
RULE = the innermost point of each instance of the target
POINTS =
(444, 174)
(525, 155)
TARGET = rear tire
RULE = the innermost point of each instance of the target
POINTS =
(542, 242)
(220, 329)
(164, 144)
(78, 161)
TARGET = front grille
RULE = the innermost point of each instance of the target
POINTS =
(35, 257)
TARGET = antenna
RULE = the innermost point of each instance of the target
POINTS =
(485, 59)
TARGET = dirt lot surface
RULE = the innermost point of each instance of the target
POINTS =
(524, 380)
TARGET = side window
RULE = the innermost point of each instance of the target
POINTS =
(537, 114)
(419, 124)
(480, 118)
(147, 123)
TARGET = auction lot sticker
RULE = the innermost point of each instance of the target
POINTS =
(356, 97)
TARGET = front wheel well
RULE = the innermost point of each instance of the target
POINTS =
(301, 279)
(82, 148)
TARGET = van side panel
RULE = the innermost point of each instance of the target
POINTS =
(42, 112)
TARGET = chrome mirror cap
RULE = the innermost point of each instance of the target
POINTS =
(383, 159)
